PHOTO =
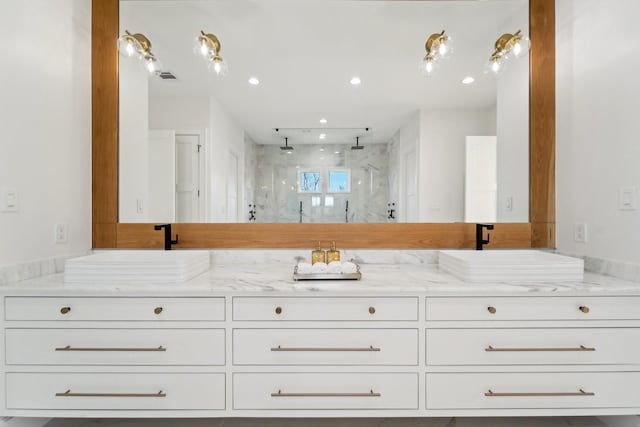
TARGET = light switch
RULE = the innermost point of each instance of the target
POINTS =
(508, 204)
(10, 200)
(628, 199)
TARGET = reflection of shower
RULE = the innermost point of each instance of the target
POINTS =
(300, 211)
(370, 169)
(346, 212)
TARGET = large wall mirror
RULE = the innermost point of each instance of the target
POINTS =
(324, 126)
(198, 147)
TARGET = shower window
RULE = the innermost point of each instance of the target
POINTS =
(339, 181)
(308, 181)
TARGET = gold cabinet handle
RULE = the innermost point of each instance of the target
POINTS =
(68, 393)
(372, 310)
(370, 348)
(65, 310)
(584, 309)
(278, 310)
(281, 394)
(69, 348)
(491, 310)
(580, 392)
(524, 349)
(157, 310)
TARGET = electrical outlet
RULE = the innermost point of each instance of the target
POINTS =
(580, 232)
(62, 231)
(10, 201)
(139, 206)
(627, 199)
(508, 203)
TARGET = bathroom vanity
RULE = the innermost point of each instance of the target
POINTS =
(238, 341)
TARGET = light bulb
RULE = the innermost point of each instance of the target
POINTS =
(203, 48)
(129, 49)
(442, 50)
(517, 49)
(495, 66)
(428, 66)
(151, 67)
(217, 67)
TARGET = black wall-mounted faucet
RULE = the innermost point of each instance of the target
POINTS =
(167, 235)
(480, 241)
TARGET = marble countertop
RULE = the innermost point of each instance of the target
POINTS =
(277, 278)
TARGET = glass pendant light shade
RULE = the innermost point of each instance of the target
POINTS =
(428, 66)
(521, 47)
(128, 46)
(495, 66)
(218, 66)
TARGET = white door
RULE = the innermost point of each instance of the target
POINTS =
(481, 182)
(232, 187)
(187, 185)
(161, 176)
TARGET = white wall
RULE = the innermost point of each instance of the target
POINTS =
(133, 149)
(442, 160)
(598, 125)
(225, 135)
(179, 112)
(512, 123)
(45, 123)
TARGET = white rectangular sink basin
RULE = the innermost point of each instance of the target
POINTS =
(136, 267)
(511, 265)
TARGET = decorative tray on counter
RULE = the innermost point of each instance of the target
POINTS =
(327, 276)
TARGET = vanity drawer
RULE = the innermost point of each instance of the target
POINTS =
(115, 346)
(325, 308)
(115, 391)
(62, 308)
(325, 391)
(533, 308)
(532, 390)
(325, 347)
(541, 346)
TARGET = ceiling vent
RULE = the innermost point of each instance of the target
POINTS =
(167, 75)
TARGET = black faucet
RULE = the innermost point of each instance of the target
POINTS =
(167, 235)
(480, 241)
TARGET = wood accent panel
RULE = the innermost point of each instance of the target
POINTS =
(107, 233)
(104, 122)
(542, 124)
(403, 235)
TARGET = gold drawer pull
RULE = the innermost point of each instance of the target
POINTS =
(581, 392)
(584, 309)
(69, 348)
(370, 348)
(491, 310)
(581, 348)
(68, 393)
(157, 310)
(65, 310)
(278, 310)
(281, 394)
(372, 310)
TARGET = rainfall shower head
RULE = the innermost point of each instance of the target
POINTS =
(286, 145)
(357, 146)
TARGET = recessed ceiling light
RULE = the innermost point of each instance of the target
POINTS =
(336, 152)
(322, 149)
(323, 121)
(323, 135)
(468, 80)
(254, 81)
(355, 81)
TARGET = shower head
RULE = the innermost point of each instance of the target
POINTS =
(357, 146)
(286, 145)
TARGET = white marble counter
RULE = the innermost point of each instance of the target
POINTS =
(276, 278)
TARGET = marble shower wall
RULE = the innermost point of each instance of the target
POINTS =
(250, 167)
(277, 197)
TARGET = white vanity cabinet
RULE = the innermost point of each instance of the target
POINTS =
(318, 354)
(533, 355)
(114, 356)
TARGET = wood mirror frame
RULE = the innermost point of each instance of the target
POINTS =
(107, 232)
